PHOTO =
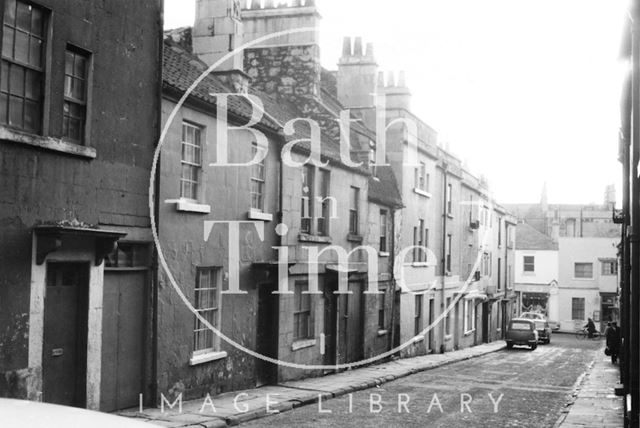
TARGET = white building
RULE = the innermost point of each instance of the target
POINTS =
(588, 285)
(537, 272)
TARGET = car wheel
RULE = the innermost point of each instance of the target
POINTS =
(533, 347)
(509, 345)
(548, 341)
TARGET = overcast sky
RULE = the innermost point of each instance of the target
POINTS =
(526, 91)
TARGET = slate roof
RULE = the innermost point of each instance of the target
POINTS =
(528, 238)
(383, 188)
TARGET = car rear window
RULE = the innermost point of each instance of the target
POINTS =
(520, 326)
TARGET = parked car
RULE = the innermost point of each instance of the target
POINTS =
(544, 331)
(31, 414)
(533, 316)
(522, 332)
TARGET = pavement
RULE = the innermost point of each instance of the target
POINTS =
(242, 406)
(595, 403)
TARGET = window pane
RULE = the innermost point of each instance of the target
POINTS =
(32, 116)
(4, 77)
(10, 12)
(7, 42)
(79, 69)
(15, 111)
(22, 47)
(35, 52)
(33, 85)
(77, 90)
(23, 16)
(4, 108)
(37, 22)
(16, 81)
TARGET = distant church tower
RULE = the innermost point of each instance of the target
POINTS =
(544, 199)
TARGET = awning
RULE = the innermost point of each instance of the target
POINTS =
(51, 239)
(475, 295)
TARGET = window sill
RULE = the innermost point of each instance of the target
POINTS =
(383, 254)
(448, 337)
(418, 339)
(302, 344)
(529, 273)
(382, 332)
(421, 192)
(303, 237)
(469, 333)
(420, 264)
(583, 279)
(47, 143)
(206, 358)
(259, 215)
(355, 238)
(192, 207)
(449, 215)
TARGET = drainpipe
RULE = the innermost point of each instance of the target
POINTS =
(391, 339)
(634, 351)
(445, 167)
(625, 271)
(152, 377)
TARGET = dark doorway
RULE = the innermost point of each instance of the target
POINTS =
(64, 359)
(486, 317)
(123, 339)
(330, 323)
(351, 326)
(430, 343)
(267, 340)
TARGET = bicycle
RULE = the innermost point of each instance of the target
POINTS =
(584, 334)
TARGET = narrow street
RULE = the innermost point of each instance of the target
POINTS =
(536, 386)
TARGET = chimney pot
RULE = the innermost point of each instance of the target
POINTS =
(391, 82)
(346, 47)
(357, 48)
(381, 79)
(402, 80)
(270, 4)
(255, 4)
(370, 50)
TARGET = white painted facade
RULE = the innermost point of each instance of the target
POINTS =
(543, 279)
(586, 283)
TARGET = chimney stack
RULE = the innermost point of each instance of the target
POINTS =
(217, 31)
(397, 93)
(288, 65)
(357, 75)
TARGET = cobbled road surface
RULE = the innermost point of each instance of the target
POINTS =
(510, 388)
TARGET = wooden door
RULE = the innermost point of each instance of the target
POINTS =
(351, 329)
(64, 359)
(330, 324)
(123, 338)
(267, 337)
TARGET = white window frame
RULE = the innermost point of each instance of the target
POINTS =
(525, 264)
(258, 179)
(197, 164)
(582, 278)
(212, 273)
(469, 316)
